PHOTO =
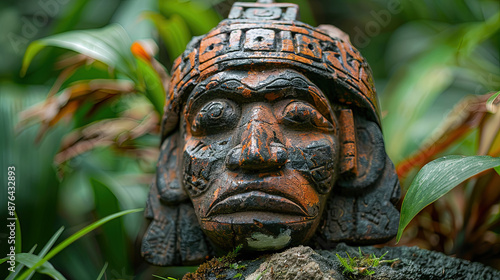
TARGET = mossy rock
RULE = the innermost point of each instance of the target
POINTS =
(304, 263)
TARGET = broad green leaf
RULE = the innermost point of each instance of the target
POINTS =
(497, 169)
(109, 45)
(75, 237)
(437, 178)
(31, 260)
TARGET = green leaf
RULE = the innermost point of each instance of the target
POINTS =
(197, 14)
(497, 169)
(112, 233)
(47, 247)
(12, 276)
(169, 278)
(19, 245)
(153, 86)
(31, 260)
(75, 237)
(436, 179)
(51, 242)
(102, 271)
(173, 31)
(489, 102)
(109, 45)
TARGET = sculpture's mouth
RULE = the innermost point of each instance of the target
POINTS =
(256, 201)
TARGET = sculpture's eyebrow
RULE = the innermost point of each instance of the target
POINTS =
(275, 90)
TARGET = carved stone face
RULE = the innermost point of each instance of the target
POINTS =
(253, 152)
(260, 157)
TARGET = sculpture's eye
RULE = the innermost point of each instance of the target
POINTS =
(214, 117)
(303, 116)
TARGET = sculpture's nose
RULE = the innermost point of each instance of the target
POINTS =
(261, 147)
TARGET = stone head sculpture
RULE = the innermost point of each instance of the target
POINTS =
(271, 138)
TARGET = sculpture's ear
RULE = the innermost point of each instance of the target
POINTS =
(167, 179)
(361, 208)
(363, 154)
(174, 236)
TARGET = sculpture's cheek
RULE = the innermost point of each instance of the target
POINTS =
(202, 163)
(317, 162)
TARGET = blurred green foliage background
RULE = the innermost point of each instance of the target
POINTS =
(426, 56)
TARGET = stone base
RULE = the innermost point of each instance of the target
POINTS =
(301, 263)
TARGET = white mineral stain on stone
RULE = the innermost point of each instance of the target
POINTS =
(261, 242)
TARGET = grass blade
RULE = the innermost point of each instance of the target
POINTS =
(51, 242)
(47, 247)
(102, 271)
(18, 235)
(75, 237)
(159, 277)
(436, 179)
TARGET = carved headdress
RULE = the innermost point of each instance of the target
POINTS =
(361, 210)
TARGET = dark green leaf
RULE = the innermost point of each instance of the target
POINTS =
(197, 14)
(436, 179)
(112, 234)
(173, 31)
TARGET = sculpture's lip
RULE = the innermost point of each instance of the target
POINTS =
(256, 201)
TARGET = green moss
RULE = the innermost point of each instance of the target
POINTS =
(361, 265)
(216, 266)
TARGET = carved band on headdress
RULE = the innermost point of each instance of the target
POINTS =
(257, 33)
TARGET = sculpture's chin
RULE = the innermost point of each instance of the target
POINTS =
(259, 231)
